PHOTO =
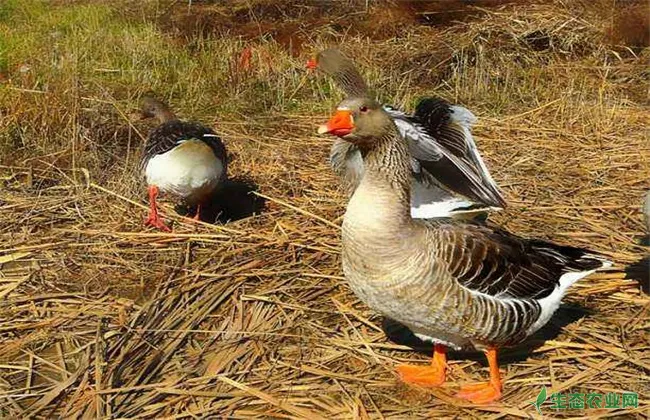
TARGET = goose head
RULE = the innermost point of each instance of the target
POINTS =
(152, 107)
(360, 121)
(330, 61)
(336, 65)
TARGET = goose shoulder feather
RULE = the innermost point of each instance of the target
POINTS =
(429, 198)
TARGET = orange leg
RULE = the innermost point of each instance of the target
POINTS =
(427, 376)
(245, 59)
(154, 218)
(485, 392)
(197, 216)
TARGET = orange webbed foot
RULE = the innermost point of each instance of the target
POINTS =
(157, 222)
(480, 393)
(425, 376)
(484, 392)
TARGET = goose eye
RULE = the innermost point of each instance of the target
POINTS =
(363, 109)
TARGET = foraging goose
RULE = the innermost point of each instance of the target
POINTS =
(455, 283)
(448, 175)
(185, 159)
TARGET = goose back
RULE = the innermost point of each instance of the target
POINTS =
(170, 134)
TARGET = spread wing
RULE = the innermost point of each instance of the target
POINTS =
(440, 140)
(459, 141)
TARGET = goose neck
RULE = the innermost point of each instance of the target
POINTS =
(381, 203)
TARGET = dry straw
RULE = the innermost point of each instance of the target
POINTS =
(100, 318)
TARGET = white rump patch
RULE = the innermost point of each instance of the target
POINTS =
(550, 303)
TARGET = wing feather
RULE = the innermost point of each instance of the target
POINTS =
(445, 152)
(498, 264)
(450, 126)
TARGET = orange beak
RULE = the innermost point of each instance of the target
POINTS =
(341, 124)
(311, 64)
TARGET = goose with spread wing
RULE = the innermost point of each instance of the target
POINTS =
(458, 284)
(184, 159)
(449, 176)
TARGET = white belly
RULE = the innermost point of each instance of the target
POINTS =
(190, 170)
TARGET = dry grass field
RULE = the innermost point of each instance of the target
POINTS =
(103, 318)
